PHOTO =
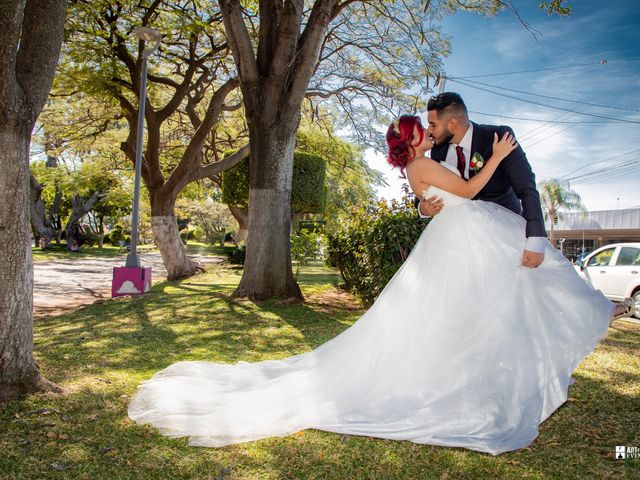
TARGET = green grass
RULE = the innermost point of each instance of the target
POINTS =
(59, 251)
(102, 352)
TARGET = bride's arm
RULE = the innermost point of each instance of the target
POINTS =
(425, 172)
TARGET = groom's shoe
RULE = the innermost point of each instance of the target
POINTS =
(630, 308)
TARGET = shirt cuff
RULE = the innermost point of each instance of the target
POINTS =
(536, 244)
(420, 213)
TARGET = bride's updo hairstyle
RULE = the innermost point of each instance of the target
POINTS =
(400, 138)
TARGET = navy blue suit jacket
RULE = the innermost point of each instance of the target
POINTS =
(513, 185)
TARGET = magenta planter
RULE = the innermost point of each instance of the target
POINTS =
(130, 281)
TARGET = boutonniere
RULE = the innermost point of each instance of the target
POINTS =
(476, 163)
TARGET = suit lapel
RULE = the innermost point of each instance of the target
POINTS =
(477, 145)
(439, 152)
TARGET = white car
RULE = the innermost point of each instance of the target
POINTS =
(615, 271)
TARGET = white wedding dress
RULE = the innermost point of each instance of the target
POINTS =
(464, 348)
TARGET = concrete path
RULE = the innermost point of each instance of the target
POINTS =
(62, 285)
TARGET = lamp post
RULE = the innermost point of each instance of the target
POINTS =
(148, 35)
(133, 279)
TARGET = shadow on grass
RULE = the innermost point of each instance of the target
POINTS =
(178, 321)
(105, 350)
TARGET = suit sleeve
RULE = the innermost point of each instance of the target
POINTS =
(523, 181)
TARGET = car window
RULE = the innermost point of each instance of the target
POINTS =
(601, 259)
(629, 256)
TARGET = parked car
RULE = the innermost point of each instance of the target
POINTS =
(581, 256)
(615, 271)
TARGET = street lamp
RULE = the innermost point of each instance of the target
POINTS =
(133, 278)
(145, 34)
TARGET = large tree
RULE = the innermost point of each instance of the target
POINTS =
(190, 89)
(30, 41)
(353, 48)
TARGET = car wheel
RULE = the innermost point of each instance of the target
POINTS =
(636, 298)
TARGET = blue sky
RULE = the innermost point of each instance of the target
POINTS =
(567, 55)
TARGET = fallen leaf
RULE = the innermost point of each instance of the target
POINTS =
(60, 466)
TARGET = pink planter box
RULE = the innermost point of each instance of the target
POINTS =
(130, 281)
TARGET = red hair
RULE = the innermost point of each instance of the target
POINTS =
(400, 140)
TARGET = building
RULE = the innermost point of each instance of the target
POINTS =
(578, 232)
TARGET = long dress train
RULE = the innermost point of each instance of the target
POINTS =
(464, 347)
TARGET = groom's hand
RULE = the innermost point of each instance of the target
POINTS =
(430, 206)
(532, 259)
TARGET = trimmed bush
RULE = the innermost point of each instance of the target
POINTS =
(308, 191)
(373, 245)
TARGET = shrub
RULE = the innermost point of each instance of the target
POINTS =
(117, 234)
(373, 245)
(305, 246)
(237, 254)
(89, 238)
(194, 234)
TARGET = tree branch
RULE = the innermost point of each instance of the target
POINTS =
(40, 44)
(240, 42)
(225, 164)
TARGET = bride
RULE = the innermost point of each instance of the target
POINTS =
(464, 347)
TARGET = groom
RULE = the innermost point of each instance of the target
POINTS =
(466, 145)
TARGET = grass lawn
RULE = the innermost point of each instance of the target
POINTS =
(60, 252)
(100, 354)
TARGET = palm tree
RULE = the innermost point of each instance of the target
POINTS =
(555, 196)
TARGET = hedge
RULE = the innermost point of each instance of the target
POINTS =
(308, 191)
(370, 249)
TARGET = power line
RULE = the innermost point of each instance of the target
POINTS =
(611, 176)
(624, 120)
(543, 128)
(548, 96)
(535, 70)
(603, 170)
(600, 161)
(607, 173)
(539, 119)
(549, 136)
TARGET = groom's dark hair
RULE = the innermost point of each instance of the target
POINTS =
(448, 102)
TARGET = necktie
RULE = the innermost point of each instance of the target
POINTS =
(462, 162)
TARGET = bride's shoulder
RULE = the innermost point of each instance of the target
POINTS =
(421, 163)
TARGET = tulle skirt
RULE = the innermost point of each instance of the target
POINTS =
(464, 347)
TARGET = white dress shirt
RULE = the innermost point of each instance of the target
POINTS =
(534, 244)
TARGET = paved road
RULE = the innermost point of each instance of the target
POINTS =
(61, 285)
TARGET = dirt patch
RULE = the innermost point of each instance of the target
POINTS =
(334, 300)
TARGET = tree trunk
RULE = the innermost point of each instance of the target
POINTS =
(80, 207)
(101, 231)
(242, 217)
(267, 268)
(18, 369)
(167, 236)
(39, 221)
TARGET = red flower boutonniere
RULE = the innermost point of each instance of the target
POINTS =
(476, 163)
